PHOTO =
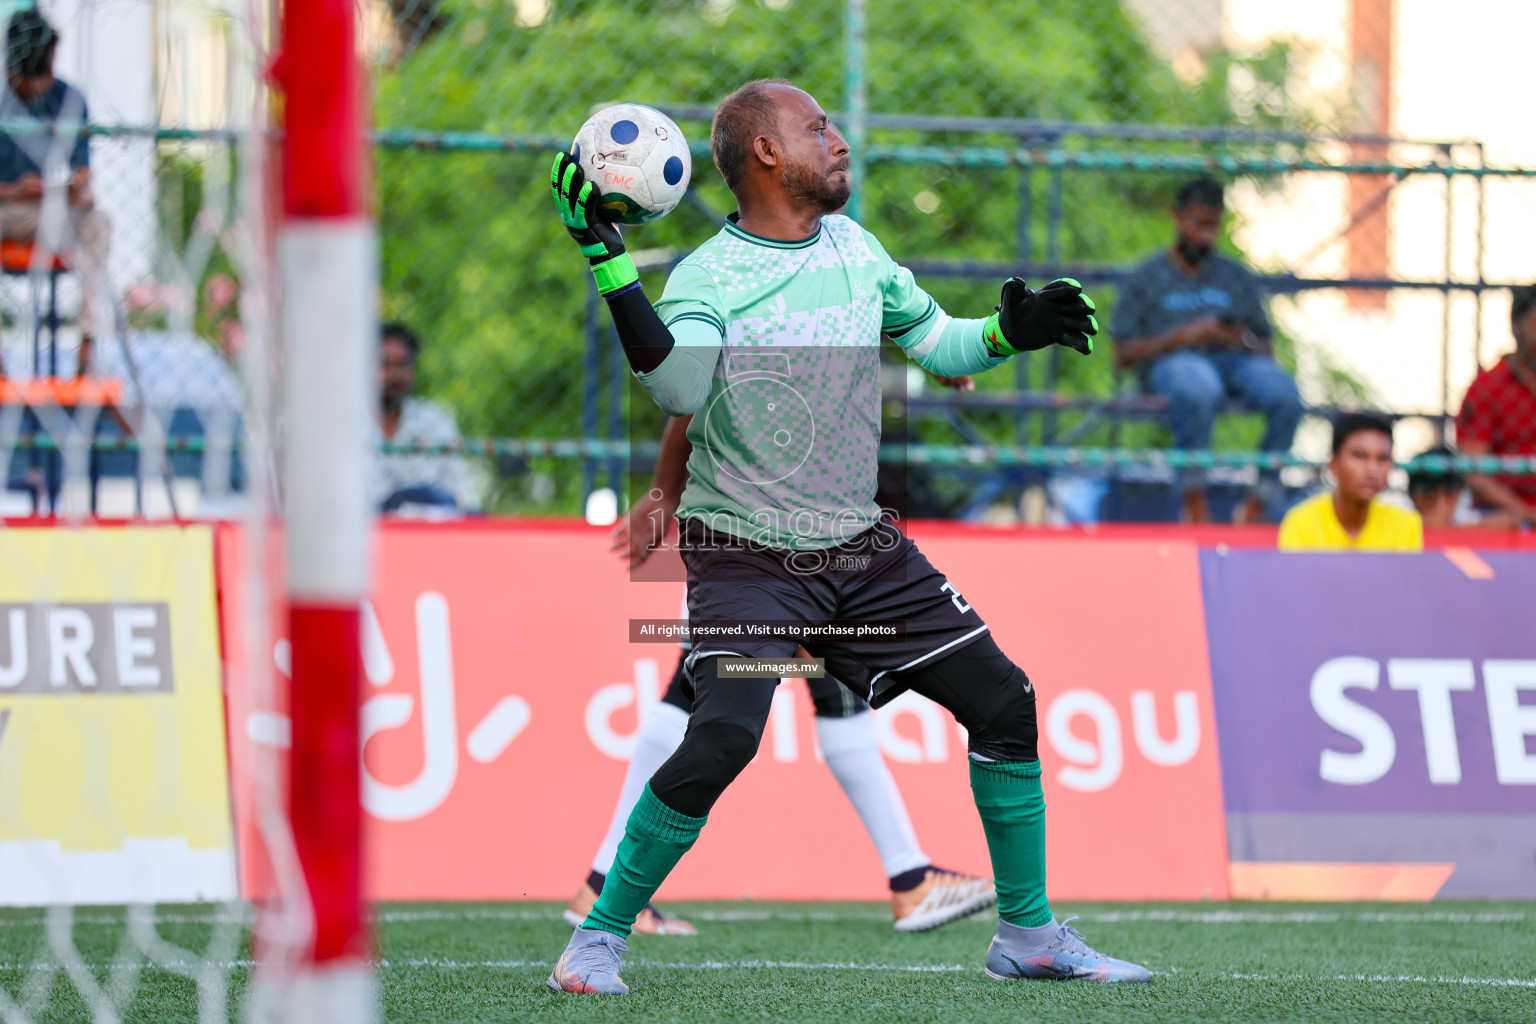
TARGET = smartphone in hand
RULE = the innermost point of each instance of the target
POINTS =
(1246, 338)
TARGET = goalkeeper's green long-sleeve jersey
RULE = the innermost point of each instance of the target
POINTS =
(777, 357)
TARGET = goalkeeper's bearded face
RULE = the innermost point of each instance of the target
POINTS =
(814, 170)
(826, 192)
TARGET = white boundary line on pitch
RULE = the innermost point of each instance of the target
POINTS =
(107, 920)
(1100, 917)
(1103, 917)
(441, 964)
(730, 965)
(1306, 917)
(1392, 979)
(703, 965)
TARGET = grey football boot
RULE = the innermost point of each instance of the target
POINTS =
(1013, 956)
(590, 964)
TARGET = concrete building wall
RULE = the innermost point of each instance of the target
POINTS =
(1450, 78)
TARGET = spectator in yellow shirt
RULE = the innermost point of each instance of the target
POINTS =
(1349, 518)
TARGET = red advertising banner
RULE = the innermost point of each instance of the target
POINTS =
(504, 696)
(1112, 634)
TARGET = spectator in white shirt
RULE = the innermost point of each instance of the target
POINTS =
(408, 482)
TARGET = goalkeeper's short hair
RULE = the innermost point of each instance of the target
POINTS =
(739, 119)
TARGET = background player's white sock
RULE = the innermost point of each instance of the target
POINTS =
(852, 751)
(661, 730)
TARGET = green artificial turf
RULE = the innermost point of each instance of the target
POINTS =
(842, 961)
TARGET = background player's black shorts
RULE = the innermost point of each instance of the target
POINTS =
(830, 698)
(878, 576)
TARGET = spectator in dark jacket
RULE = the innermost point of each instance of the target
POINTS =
(1192, 323)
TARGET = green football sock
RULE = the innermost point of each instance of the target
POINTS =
(655, 839)
(1012, 808)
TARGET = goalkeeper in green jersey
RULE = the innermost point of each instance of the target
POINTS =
(768, 335)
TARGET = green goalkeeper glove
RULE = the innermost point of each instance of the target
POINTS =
(576, 200)
(1028, 320)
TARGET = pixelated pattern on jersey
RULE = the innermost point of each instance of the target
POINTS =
(855, 323)
(787, 446)
(797, 453)
(740, 265)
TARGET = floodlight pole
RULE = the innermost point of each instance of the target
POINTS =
(327, 261)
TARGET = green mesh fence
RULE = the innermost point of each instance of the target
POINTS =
(1033, 138)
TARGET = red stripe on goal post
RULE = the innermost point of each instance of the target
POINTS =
(326, 809)
(327, 259)
(324, 115)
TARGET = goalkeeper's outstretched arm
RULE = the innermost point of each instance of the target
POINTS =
(1024, 321)
(675, 365)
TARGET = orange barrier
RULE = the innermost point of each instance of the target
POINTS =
(503, 697)
(63, 391)
(1349, 882)
(16, 255)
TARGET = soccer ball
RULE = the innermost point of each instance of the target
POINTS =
(637, 157)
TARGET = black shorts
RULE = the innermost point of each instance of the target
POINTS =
(879, 576)
(830, 698)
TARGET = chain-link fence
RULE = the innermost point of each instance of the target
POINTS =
(130, 256)
(1037, 139)
(134, 384)
(164, 350)
(1033, 139)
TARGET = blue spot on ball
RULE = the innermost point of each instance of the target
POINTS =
(576, 152)
(624, 132)
(672, 170)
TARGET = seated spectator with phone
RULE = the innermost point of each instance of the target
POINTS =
(1192, 323)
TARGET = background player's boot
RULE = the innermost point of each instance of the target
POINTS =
(650, 922)
(590, 964)
(942, 897)
(1016, 953)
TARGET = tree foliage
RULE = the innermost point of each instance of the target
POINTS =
(475, 258)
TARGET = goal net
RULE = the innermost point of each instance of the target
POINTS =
(147, 858)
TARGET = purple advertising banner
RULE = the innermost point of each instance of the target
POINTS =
(1378, 709)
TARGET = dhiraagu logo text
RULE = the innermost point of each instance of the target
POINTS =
(427, 704)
